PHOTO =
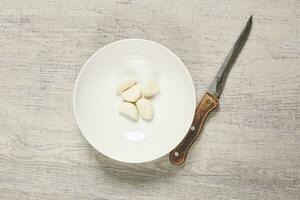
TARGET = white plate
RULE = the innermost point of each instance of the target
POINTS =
(96, 103)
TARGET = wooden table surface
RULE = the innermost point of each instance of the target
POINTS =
(249, 149)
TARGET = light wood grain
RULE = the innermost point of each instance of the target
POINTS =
(249, 149)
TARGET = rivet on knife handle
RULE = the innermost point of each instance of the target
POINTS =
(207, 104)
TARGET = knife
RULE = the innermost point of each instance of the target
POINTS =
(210, 100)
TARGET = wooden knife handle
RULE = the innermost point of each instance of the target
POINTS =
(207, 104)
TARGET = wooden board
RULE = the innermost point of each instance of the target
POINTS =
(249, 148)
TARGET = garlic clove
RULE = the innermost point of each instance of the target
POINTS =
(145, 109)
(132, 94)
(129, 110)
(151, 88)
(125, 84)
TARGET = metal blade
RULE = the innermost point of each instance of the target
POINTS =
(217, 85)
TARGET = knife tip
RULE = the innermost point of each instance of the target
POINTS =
(249, 22)
(250, 19)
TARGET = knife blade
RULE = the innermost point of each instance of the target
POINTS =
(211, 99)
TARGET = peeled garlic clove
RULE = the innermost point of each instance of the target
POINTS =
(145, 108)
(132, 94)
(125, 84)
(129, 110)
(151, 88)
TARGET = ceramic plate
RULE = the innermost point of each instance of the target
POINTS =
(96, 102)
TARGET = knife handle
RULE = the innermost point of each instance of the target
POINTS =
(207, 104)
